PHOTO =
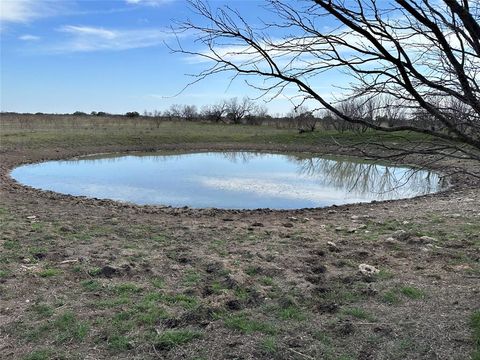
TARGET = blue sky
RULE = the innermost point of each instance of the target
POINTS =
(64, 56)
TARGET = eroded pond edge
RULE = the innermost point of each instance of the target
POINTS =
(455, 181)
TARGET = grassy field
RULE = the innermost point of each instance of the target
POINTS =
(91, 279)
(85, 131)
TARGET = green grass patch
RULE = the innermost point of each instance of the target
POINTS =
(11, 245)
(412, 292)
(126, 289)
(475, 326)
(69, 328)
(269, 345)
(267, 281)
(158, 282)
(183, 300)
(384, 274)
(292, 312)
(173, 338)
(95, 271)
(192, 277)
(247, 325)
(49, 272)
(44, 354)
(91, 285)
(42, 310)
(391, 297)
(119, 343)
(358, 313)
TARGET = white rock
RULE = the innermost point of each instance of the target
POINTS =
(428, 239)
(368, 270)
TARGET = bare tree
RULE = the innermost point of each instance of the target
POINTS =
(423, 55)
(189, 112)
(238, 109)
(214, 112)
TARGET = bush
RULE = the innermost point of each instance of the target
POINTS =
(132, 114)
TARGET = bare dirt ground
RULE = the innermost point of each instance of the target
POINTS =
(95, 279)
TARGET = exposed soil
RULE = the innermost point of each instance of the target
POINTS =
(137, 282)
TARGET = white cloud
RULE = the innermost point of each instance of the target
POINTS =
(89, 38)
(28, 37)
(89, 31)
(22, 11)
(148, 2)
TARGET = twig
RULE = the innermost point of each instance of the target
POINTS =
(302, 355)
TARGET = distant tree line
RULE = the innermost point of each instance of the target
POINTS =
(244, 111)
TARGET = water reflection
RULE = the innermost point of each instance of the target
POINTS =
(240, 180)
(368, 178)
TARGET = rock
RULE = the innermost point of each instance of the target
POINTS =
(368, 270)
(257, 224)
(401, 235)
(32, 217)
(428, 239)
(108, 271)
(288, 225)
(67, 228)
(234, 305)
(213, 267)
(292, 218)
(327, 307)
(352, 230)
(332, 246)
(339, 228)
(331, 211)
(355, 217)
(391, 241)
(318, 269)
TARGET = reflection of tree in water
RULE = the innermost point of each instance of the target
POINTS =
(244, 157)
(364, 178)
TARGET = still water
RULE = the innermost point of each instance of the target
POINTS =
(231, 180)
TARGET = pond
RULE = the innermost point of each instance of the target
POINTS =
(228, 180)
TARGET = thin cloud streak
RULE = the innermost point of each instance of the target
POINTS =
(24, 11)
(148, 2)
(90, 39)
(28, 37)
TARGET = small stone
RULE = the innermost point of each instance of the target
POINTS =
(428, 239)
(332, 246)
(67, 228)
(288, 225)
(400, 235)
(355, 217)
(108, 271)
(391, 241)
(339, 228)
(257, 224)
(234, 305)
(368, 270)
(292, 218)
(331, 211)
(31, 217)
(352, 230)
